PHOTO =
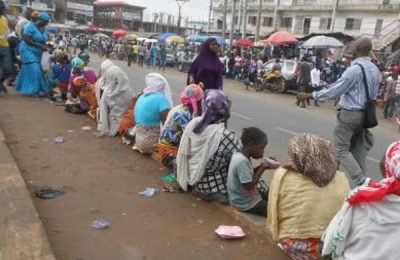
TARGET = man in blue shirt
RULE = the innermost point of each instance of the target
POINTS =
(351, 140)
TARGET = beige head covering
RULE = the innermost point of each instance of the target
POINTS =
(313, 157)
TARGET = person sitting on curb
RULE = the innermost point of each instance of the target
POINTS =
(304, 196)
(246, 191)
(368, 224)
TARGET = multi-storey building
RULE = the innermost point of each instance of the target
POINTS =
(301, 17)
(118, 14)
(17, 7)
(78, 11)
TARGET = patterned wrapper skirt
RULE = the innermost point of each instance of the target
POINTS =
(147, 138)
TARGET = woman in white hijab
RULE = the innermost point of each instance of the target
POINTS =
(151, 111)
(101, 82)
(115, 100)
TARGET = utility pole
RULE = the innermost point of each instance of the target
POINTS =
(334, 16)
(209, 17)
(258, 20)
(224, 19)
(244, 19)
(240, 16)
(275, 21)
(180, 3)
(232, 22)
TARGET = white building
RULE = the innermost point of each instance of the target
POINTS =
(302, 17)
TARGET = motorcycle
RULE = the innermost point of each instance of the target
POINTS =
(273, 81)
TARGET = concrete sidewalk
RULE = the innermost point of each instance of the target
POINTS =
(22, 235)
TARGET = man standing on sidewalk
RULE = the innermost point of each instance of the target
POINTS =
(351, 140)
(5, 54)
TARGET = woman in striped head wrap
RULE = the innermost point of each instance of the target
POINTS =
(304, 196)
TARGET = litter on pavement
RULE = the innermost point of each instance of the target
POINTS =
(230, 232)
(86, 128)
(100, 224)
(48, 193)
(148, 192)
(58, 140)
(169, 177)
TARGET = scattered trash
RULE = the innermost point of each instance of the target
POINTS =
(86, 128)
(169, 177)
(100, 224)
(148, 192)
(230, 232)
(94, 211)
(58, 140)
(48, 193)
(70, 131)
(124, 214)
(170, 189)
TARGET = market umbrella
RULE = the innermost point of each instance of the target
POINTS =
(191, 38)
(175, 39)
(281, 38)
(260, 43)
(202, 38)
(220, 40)
(165, 36)
(93, 28)
(101, 35)
(120, 33)
(243, 43)
(322, 42)
(196, 38)
(131, 37)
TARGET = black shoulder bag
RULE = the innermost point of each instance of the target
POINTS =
(370, 109)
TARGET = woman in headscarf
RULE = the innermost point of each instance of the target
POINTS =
(177, 120)
(31, 79)
(207, 68)
(368, 224)
(304, 196)
(206, 150)
(101, 82)
(151, 111)
(115, 101)
(87, 96)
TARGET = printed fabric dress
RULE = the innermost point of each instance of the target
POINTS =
(31, 80)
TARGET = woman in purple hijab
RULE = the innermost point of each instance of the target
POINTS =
(207, 67)
(206, 150)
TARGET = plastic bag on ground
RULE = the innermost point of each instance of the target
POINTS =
(230, 232)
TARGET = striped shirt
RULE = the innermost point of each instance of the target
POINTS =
(350, 87)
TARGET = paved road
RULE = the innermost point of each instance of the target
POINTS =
(276, 114)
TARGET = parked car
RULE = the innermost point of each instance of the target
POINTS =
(171, 60)
(288, 72)
(186, 62)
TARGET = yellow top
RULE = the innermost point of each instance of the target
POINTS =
(299, 209)
(3, 32)
(135, 49)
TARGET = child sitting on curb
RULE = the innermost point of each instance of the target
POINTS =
(246, 191)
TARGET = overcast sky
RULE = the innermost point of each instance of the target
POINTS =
(195, 9)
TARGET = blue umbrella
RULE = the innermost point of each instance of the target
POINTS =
(191, 38)
(52, 29)
(220, 40)
(165, 36)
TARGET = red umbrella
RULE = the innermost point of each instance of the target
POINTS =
(93, 28)
(120, 33)
(281, 38)
(244, 43)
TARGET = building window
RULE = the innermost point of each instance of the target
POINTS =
(352, 24)
(378, 26)
(252, 20)
(236, 20)
(386, 2)
(325, 23)
(286, 22)
(268, 21)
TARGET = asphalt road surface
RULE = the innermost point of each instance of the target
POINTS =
(276, 114)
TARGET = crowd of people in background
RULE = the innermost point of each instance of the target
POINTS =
(304, 203)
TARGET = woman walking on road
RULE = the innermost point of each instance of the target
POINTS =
(207, 67)
(31, 80)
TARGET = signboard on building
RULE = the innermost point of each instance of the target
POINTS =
(82, 7)
(131, 16)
